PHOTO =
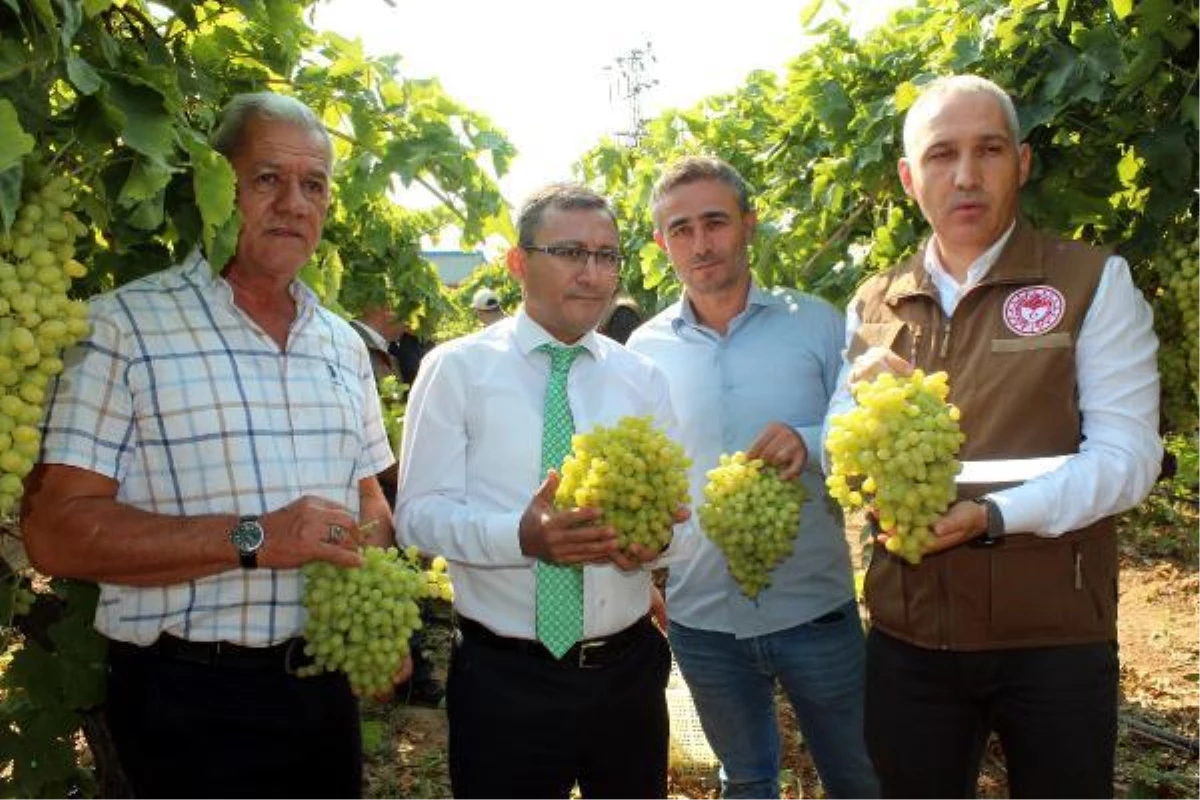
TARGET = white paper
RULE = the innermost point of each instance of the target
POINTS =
(1010, 470)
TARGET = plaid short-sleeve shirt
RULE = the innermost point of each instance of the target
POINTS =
(193, 409)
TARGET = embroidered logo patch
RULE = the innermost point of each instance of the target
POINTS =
(1034, 310)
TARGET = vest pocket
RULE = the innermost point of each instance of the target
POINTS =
(885, 591)
(1023, 344)
(1047, 591)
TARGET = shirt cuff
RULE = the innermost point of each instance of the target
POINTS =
(504, 538)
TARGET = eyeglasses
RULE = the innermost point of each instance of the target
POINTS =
(607, 260)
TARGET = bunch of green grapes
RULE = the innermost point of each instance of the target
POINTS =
(895, 452)
(633, 473)
(752, 515)
(37, 320)
(439, 585)
(1175, 318)
(391, 399)
(360, 619)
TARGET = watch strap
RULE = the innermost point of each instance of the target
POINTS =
(248, 559)
(994, 534)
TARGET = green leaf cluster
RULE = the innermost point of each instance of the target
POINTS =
(1106, 96)
(124, 96)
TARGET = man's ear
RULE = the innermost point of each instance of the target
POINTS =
(1024, 156)
(659, 240)
(905, 171)
(749, 223)
(514, 259)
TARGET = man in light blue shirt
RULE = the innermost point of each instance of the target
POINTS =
(753, 370)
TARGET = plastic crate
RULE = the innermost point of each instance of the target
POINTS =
(690, 753)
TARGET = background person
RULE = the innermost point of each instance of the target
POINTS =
(210, 437)
(486, 306)
(753, 370)
(397, 353)
(622, 320)
(531, 714)
(1009, 621)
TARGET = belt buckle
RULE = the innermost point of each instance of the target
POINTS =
(584, 649)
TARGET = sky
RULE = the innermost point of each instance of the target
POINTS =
(543, 71)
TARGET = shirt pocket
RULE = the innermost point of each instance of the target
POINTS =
(327, 402)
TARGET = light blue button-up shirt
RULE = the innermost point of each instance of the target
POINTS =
(778, 361)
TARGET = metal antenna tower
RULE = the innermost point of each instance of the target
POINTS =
(629, 79)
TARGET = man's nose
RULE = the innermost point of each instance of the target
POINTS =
(966, 172)
(290, 196)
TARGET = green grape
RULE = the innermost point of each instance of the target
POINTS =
(37, 318)
(1177, 326)
(440, 587)
(753, 516)
(895, 452)
(633, 473)
(360, 619)
(23, 600)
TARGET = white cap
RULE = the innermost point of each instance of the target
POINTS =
(485, 300)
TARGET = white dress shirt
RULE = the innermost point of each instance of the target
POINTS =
(471, 462)
(1117, 376)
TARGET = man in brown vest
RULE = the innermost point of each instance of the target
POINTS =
(1008, 624)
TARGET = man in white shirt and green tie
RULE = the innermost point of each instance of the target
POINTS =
(557, 675)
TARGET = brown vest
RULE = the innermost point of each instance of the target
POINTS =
(1019, 399)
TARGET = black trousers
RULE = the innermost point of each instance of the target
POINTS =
(524, 725)
(188, 729)
(1054, 709)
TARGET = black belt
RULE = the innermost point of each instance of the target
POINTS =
(587, 654)
(286, 656)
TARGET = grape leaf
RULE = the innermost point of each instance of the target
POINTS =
(14, 141)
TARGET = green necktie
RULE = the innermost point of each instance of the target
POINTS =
(559, 588)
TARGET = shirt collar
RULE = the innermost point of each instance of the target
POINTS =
(530, 335)
(978, 269)
(756, 296)
(201, 273)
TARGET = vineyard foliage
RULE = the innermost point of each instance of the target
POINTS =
(1106, 95)
(120, 97)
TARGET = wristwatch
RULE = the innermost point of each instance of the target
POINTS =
(995, 523)
(247, 536)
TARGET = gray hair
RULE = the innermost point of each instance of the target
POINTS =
(700, 168)
(561, 196)
(957, 84)
(242, 108)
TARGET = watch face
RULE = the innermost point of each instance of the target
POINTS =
(247, 537)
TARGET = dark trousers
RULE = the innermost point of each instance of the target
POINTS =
(524, 725)
(1054, 709)
(185, 729)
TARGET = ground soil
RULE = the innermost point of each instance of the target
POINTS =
(1156, 757)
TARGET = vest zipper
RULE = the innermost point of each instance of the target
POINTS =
(916, 345)
(1078, 568)
(945, 339)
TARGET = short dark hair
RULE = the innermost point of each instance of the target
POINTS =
(562, 196)
(623, 320)
(242, 108)
(690, 169)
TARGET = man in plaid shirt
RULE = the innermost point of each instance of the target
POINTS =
(214, 434)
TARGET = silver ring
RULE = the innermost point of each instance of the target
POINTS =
(336, 534)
